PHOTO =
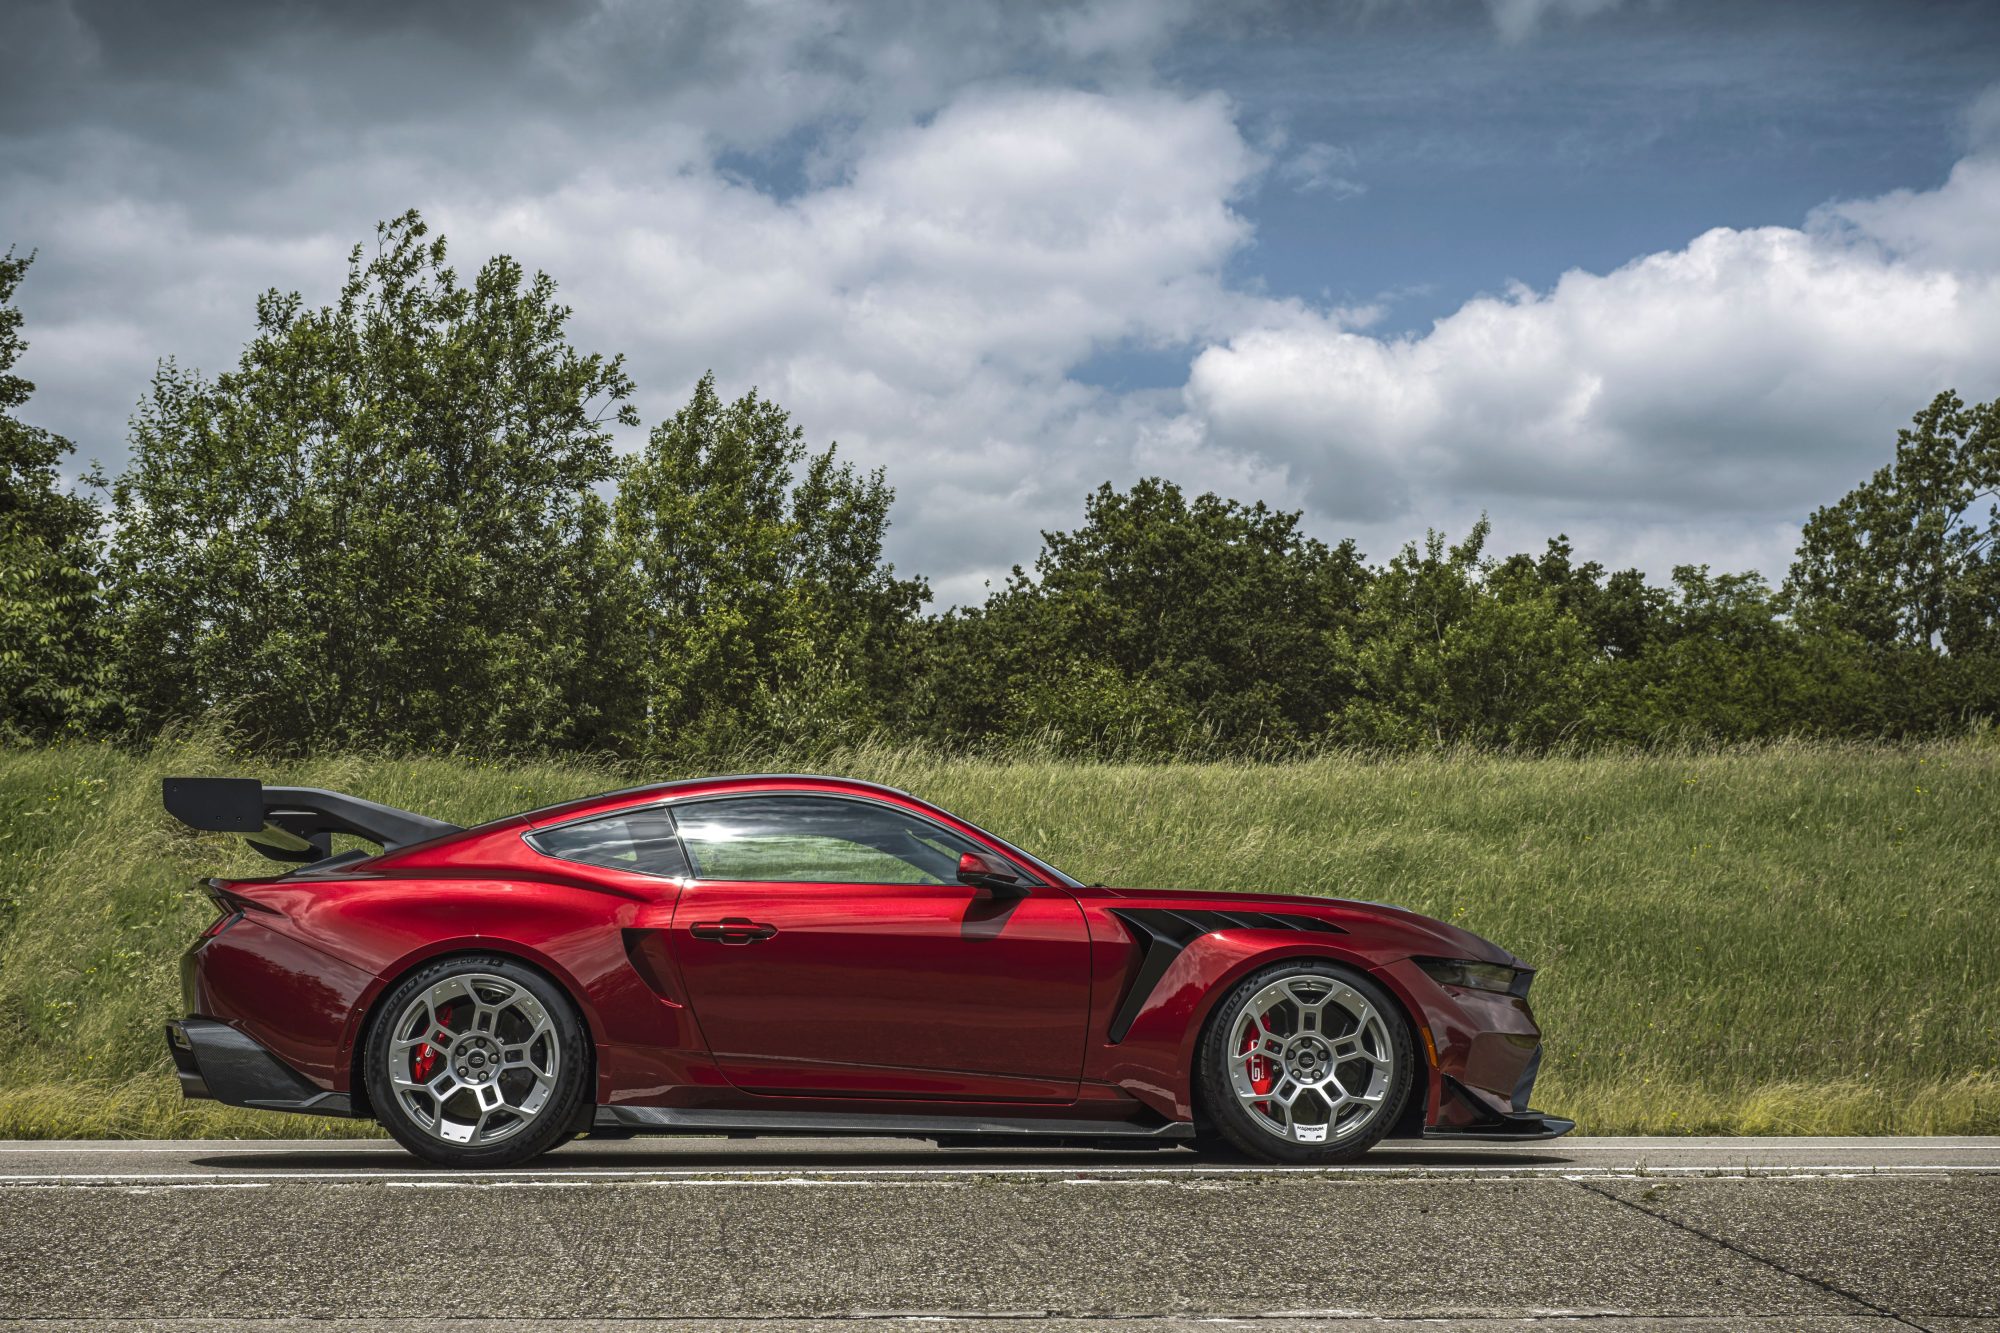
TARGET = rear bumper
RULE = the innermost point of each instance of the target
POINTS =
(215, 1062)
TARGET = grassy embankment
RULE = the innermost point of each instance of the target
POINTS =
(1787, 940)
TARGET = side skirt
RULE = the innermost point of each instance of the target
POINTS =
(674, 1120)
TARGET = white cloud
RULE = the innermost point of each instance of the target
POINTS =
(1749, 376)
(1517, 19)
(1117, 28)
(1956, 228)
(927, 308)
(918, 236)
(1318, 168)
(1982, 121)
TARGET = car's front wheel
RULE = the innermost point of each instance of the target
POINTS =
(477, 1061)
(1306, 1062)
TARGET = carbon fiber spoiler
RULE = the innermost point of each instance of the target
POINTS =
(293, 823)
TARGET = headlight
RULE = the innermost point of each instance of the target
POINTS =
(1467, 975)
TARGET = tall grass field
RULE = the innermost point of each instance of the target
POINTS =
(1787, 940)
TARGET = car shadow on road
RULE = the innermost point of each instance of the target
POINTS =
(767, 1156)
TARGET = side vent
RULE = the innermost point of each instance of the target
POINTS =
(1164, 933)
(646, 950)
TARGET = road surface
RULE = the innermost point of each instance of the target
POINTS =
(1590, 1234)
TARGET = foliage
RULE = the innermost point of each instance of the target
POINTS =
(1439, 655)
(54, 675)
(368, 531)
(761, 607)
(1909, 557)
(1159, 618)
(1791, 938)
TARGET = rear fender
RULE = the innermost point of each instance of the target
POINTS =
(354, 1033)
(1155, 1062)
(581, 937)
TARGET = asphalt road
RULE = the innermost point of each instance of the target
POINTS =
(1603, 1234)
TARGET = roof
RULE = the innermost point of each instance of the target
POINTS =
(612, 800)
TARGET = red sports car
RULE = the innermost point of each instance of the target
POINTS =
(782, 954)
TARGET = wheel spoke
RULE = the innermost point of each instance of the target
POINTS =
(474, 1057)
(1311, 1034)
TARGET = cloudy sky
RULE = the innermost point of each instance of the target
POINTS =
(1661, 274)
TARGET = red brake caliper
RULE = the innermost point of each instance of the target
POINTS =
(1258, 1066)
(420, 1068)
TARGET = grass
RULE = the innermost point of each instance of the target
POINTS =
(1787, 940)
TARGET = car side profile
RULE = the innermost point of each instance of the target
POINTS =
(774, 954)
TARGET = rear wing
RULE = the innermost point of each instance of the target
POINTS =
(293, 823)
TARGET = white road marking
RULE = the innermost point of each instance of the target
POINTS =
(856, 1176)
(1568, 1146)
(205, 1145)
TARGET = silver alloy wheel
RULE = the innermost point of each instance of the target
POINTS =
(474, 1059)
(1311, 1059)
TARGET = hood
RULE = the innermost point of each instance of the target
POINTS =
(1424, 936)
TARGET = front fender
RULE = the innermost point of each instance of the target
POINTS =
(1155, 1062)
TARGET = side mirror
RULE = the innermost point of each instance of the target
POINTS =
(983, 872)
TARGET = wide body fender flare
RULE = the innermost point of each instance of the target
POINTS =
(638, 1037)
(1155, 1061)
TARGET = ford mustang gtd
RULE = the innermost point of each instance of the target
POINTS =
(773, 955)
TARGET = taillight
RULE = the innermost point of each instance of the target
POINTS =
(227, 903)
(230, 916)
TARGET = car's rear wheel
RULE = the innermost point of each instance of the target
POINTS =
(477, 1061)
(1304, 1061)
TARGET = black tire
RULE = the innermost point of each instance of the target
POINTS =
(1220, 1112)
(552, 1124)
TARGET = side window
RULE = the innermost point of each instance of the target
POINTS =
(641, 840)
(816, 839)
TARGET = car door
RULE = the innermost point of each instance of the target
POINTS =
(828, 949)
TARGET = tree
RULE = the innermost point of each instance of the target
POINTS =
(367, 533)
(1621, 613)
(1159, 621)
(1908, 557)
(1443, 653)
(54, 672)
(1722, 664)
(764, 611)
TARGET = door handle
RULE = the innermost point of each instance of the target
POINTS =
(733, 930)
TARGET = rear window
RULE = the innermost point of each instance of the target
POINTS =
(638, 840)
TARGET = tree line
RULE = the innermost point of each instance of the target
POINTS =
(399, 523)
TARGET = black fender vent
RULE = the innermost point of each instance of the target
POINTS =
(1165, 932)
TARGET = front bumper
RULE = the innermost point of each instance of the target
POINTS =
(216, 1062)
(1487, 1125)
(1500, 1127)
(1485, 1051)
